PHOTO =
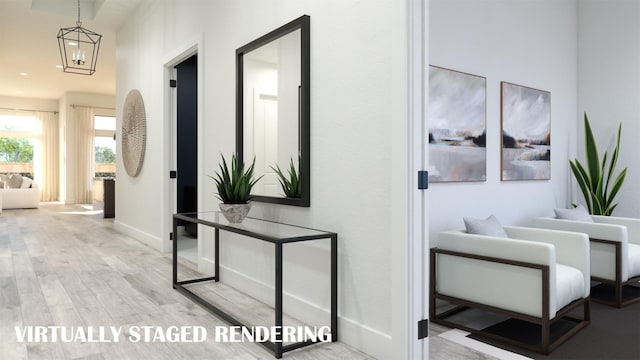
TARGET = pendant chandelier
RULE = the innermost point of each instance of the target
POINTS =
(78, 48)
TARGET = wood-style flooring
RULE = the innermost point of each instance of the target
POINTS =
(63, 265)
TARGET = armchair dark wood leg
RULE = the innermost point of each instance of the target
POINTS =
(618, 275)
(545, 321)
(546, 335)
(587, 311)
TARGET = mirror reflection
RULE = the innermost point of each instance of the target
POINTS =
(271, 84)
(272, 112)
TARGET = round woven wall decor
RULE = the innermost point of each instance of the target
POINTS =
(134, 133)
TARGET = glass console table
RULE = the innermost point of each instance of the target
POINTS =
(274, 232)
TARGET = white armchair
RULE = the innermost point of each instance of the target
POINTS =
(535, 275)
(615, 254)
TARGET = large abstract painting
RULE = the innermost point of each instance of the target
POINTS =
(526, 133)
(457, 120)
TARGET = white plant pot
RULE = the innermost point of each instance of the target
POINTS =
(235, 213)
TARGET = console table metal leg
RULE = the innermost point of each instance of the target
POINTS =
(175, 252)
(217, 256)
(278, 304)
(334, 288)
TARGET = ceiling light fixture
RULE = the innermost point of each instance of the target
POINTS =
(80, 58)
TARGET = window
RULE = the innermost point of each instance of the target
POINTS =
(17, 138)
(105, 145)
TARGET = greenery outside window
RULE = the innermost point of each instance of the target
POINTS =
(17, 138)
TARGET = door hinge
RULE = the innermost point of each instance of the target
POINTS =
(173, 174)
(171, 236)
(173, 83)
(423, 180)
(423, 329)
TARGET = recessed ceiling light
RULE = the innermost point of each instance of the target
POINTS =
(24, 73)
(58, 66)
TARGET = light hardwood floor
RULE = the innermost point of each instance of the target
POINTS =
(64, 265)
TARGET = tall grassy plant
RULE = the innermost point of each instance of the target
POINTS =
(291, 185)
(595, 179)
(235, 184)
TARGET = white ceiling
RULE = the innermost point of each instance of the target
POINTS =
(28, 44)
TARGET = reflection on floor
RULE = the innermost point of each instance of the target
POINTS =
(187, 246)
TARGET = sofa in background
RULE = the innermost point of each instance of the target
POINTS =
(18, 192)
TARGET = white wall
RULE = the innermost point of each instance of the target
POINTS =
(609, 87)
(11, 102)
(358, 140)
(530, 43)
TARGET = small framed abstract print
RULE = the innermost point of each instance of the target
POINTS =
(526, 133)
(457, 116)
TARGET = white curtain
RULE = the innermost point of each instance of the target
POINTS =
(46, 156)
(85, 155)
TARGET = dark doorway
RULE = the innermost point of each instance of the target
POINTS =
(187, 137)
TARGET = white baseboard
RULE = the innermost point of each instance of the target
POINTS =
(364, 338)
(139, 235)
(351, 332)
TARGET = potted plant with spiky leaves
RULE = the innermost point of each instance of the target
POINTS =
(594, 180)
(234, 188)
(291, 184)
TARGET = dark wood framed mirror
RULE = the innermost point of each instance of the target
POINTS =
(273, 112)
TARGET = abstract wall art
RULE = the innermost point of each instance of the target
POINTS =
(457, 120)
(526, 133)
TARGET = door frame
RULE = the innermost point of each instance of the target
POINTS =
(195, 46)
(417, 245)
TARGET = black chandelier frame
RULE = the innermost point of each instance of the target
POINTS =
(73, 43)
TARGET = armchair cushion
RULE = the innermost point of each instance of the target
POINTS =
(14, 181)
(578, 213)
(569, 285)
(26, 183)
(571, 249)
(489, 226)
